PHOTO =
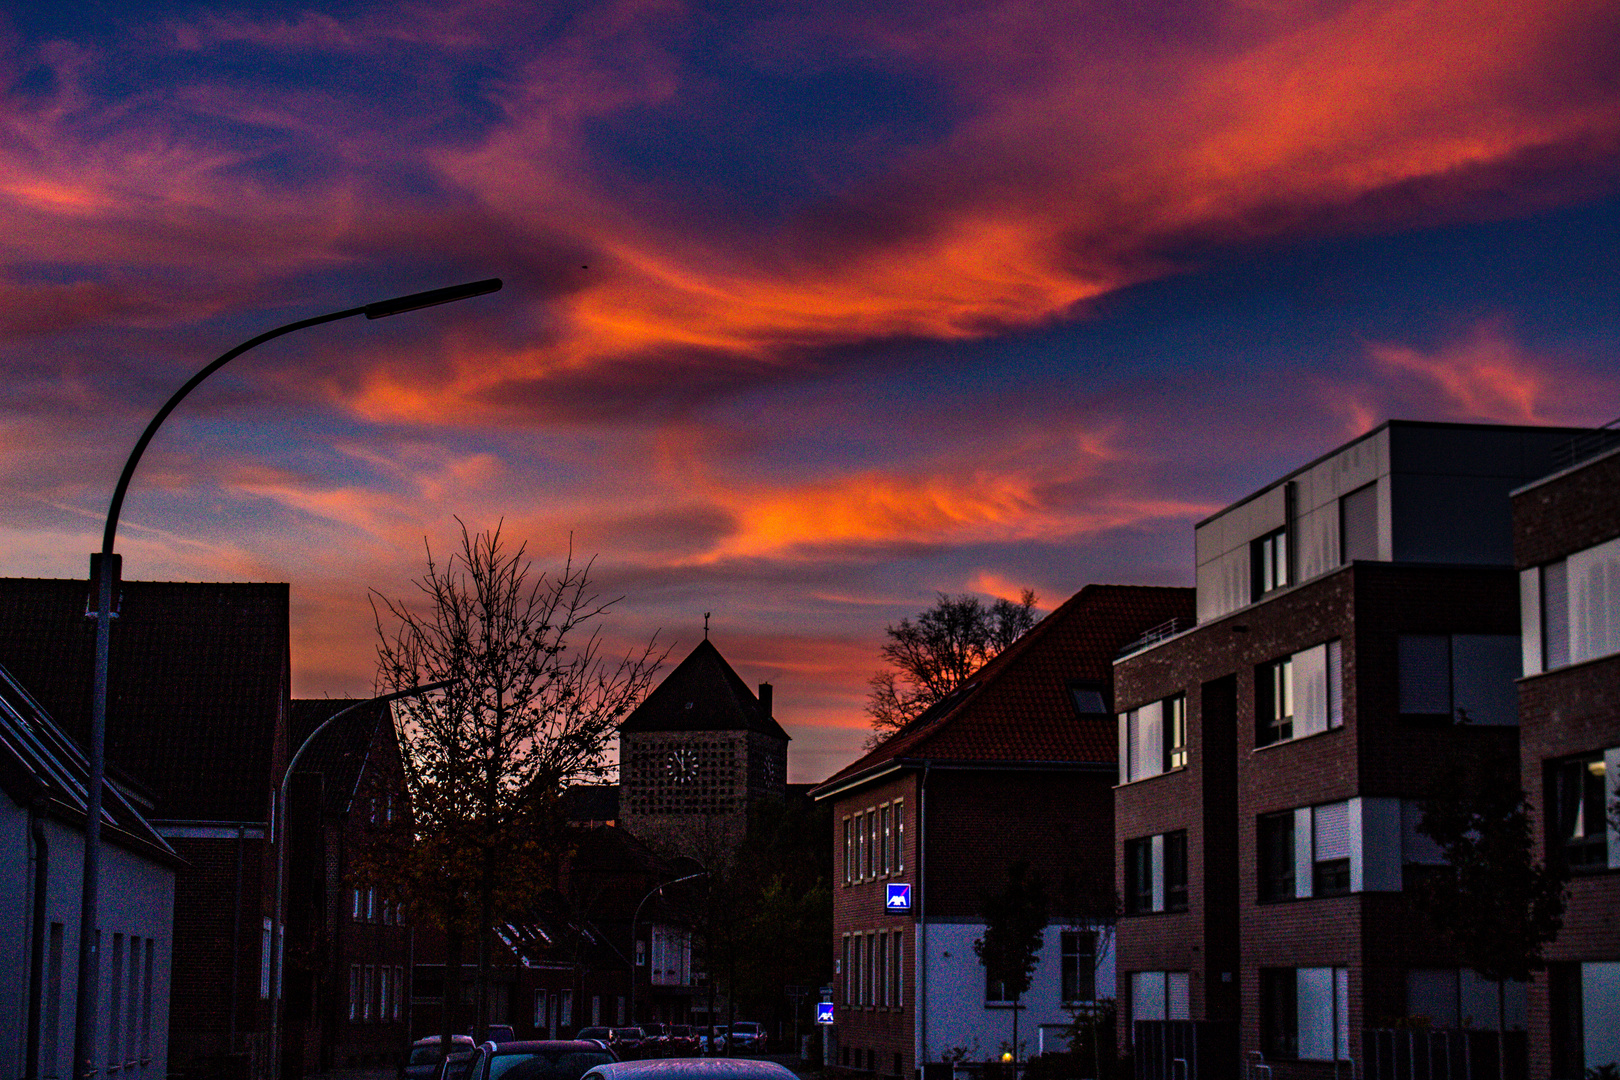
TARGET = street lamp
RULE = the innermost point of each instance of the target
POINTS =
(104, 569)
(636, 918)
(279, 828)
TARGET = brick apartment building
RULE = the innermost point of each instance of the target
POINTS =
(349, 945)
(1357, 632)
(1016, 765)
(1566, 537)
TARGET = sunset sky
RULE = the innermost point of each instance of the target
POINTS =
(812, 310)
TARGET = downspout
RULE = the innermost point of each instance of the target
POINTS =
(922, 920)
(236, 935)
(36, 958)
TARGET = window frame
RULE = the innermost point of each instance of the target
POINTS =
(1268, 564)
(1591, 847)
(1274, 701)
(1174, 873)
(1275, 877)
(1073, 960)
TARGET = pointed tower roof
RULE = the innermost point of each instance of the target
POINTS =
(703, 693)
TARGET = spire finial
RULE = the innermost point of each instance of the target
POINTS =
(706, 626)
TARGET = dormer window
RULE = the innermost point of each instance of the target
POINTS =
(1268, 561)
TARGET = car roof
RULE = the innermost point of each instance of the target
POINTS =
(455, 1040)
(692, 1069)
(532, 1046)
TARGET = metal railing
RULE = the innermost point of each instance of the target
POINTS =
(1444, 1054)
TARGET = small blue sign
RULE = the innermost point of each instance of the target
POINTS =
(899, 898)
(824, 1012)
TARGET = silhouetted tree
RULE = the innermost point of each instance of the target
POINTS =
(934, 655)
(1014, 927)
(1496, 905)
(530, 710)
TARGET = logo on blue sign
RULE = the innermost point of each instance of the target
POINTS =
(824, 1012)
(899, 898)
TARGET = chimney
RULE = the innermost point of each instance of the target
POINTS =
(765, 699)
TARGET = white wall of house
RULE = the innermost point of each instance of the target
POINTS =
(137, 902)
(956, 1013)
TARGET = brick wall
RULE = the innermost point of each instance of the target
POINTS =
(206, 906)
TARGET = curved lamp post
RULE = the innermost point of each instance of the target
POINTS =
(279, 827)
(104, 568)
(636, 918)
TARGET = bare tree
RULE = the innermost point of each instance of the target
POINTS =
(531, 709)
(934, 655)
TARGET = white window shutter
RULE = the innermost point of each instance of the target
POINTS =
(1157, 872)
(1302, 852)
(1335, 683)
(1530, 619)
(1594, 602)
(1310, 691)
(1316, 1013)
(1332, 831)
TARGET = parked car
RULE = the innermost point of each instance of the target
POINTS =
(682, 1041)
(747, 1037)
(499, 1033)
(712, 1041)
(692, 1069)
(596, 1034)
(424, 1056)
(655, 1039)
(457, 1065)
(538, 1059)
(628, 1042)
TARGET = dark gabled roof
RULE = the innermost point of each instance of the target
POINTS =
(703, 693)
(591, 802)
(198, 683)
(340, 752)
(1019, 707)
(40, 765)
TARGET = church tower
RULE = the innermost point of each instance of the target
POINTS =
(695, 755)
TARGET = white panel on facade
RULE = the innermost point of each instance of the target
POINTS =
(1147, 995)
(1594, 601)
(1483, 667)
(1176, 1001)
(1318, 541)
(1150, 744)
(1600, 1007)
(1530, 620)
(1375, 845)
(1335, 683)
(1310, 691)
(1316, 1013)
(1302, 852)
(1156, 873)
(1341, 1011)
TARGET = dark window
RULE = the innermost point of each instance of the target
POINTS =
(1276, 851)
(1175, 732)
(1358, 524)
(1330, 826)
(1554, 615)
(1425, 676)
(1268, 563)
(1274, 702)
(1138, 876)
(1279, 1012)
(1090, 698)
(1579, 791)
(1079, 965)
(1175, 871)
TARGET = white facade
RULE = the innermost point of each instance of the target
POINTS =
(137, 925)
(953, 1009)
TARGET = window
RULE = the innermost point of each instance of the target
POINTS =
(897, 960)
(368, 990)
(354, 992)
(1089, 698)
(871, 860)
(849, 974)
(899, 836)
(1175, 870)
(354, 909)
(1268, 562)
(1159, 995)
(1275, 848)
(399, 989)
(1460, 997)
(1330, 849)
(385, 997)
(882, 970)
(1463, 678)
(1305, 1013)
(860, 846)
(1358, 524)
(849, 850)
(542, 1014)
(1175, 732)
(1153, 739)
(1138, 876)
(264, 961)
(565, 1008)
(1580, 792)
(884, 839)
(1079, 966)
(1579, 607)
(1279, 1013)
(1299, 695)
(1156, 873)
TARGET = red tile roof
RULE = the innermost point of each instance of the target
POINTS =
(1019, 707)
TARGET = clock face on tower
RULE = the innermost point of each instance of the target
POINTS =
(683, 765)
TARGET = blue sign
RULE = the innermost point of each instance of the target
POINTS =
(824, 1013)
(899, 898)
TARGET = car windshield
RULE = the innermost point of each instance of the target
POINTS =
(458, 1066)
(562, 1065)
(745, 1028)
(425, 1055)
